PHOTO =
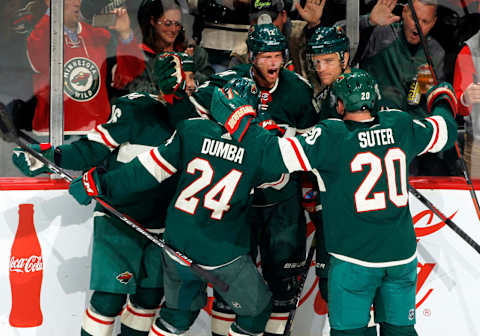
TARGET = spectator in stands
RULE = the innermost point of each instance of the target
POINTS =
(466, 82)
(394, 54)
(220, 26)
(85, 95)
(321, 35)
(162, 31)
(17, 20)
(395, 57)
(275, 9)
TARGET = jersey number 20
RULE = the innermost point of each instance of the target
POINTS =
(215, 199)
(365, 203)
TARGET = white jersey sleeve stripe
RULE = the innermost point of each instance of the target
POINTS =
(201, 110)
(279, 184)
(288, 155)
(101, 135)
(302, 158)
(156, 165)
(293, 155)
(439, 135)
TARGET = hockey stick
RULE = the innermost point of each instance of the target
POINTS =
(466, 175)
(20, 141)
(303, 278)
(444, 218)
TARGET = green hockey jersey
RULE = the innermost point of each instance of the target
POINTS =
(288, 104)
(364, 167)
(207, 218)
(136, 125)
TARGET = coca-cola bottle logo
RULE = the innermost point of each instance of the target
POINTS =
(33, 263)
(26, 272)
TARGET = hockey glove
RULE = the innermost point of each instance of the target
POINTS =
(28, 164)
(442, 92)
(170, 76)
(86, 186)
(232, 111)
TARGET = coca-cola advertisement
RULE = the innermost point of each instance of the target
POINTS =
(46, 251)
(26, 272)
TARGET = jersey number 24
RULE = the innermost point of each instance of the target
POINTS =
(217, 198)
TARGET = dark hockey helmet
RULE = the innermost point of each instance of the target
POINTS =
(328, 40)
(245, 88)
(357, 90)
(264, 38)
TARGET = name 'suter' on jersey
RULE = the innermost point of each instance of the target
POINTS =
(364, 166)
(216, 176)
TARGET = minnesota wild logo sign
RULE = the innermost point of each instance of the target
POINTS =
(81, 79)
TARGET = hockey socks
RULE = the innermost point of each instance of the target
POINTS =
(136, 321)
(222, 317)
(235, 330)
(94, 324)
(99, 317)
(161, 328)
(276, 324)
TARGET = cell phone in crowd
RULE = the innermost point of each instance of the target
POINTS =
(104, 20)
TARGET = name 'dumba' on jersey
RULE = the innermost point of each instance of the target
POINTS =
(223, 150)
(376, 137)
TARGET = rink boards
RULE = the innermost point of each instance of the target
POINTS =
(448, 268)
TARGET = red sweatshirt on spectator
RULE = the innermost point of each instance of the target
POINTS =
(463, 77)
(85, 96)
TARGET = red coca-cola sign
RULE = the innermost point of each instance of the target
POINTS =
(26, 272)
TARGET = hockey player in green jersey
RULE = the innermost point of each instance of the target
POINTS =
(277, 216)
(328, 57)
(123, 262)
(363, 162)
(207, 218)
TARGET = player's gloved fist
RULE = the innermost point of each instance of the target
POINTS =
(442, 92)
(232, 111)
(86, 186)
(28, 164)
(170, 76)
